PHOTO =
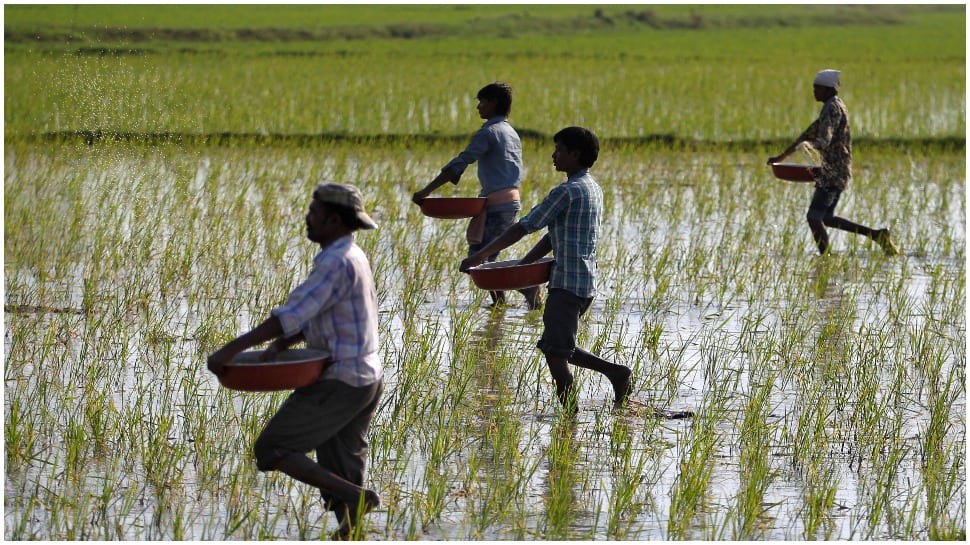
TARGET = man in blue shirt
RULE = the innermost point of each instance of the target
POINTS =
(498, 150)
(572, 213)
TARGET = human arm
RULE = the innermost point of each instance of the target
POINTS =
(511, 235)
(270, 328)
(802, 140)
(452, 172)
(540, 250)
(280, 344)
(446, 175)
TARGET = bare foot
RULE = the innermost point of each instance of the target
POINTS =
(621, 385)
(370, 500)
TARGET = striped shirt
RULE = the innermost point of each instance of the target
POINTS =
(572, 212)
(336, 310)
(830, 135)
(497, 148)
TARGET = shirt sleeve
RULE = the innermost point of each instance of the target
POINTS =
(316, 293)
(809, 134)
(475, 150)
(546, 211)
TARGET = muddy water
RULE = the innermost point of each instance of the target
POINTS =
(699, 339)
(485, 455)
(501, 471)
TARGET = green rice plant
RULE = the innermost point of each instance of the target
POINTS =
(695, 466)
(756, 438)
(560, 482)
(129, 259)
(819, 479)
(694, 471)
(941, 481)
(630, 475)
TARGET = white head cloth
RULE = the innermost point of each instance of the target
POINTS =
(828, 78)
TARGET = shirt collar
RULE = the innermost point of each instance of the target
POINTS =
(338, 244)
(579, 174)
(494, 120)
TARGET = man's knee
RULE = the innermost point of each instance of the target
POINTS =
(815, 218)
(558, 364)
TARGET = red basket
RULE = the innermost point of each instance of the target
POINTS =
(452, 207)
(793, 172)
(510, 275)
(290, 370)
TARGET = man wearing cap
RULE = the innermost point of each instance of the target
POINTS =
(829, 135)
(334, 310)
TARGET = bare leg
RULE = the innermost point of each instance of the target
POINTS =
(819, 234)
(307, 471)
(563, 380)
(881, 236)
(498, 298)
(836, 222)
(619, 375)
(821, 214)
(532, 297)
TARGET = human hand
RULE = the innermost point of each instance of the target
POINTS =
(418, 197)
(217, 361)
(270, 353)
(468, 263)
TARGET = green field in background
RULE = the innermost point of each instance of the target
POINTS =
(690, 73)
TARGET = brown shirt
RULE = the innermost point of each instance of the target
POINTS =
(829, 134)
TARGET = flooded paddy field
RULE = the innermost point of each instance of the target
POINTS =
(157, 166)
(829, 394)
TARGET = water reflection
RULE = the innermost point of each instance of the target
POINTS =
(495, 437)
(563, 510)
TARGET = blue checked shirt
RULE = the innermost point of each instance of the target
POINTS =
(572, 212)
(336, 309)
(498, 150)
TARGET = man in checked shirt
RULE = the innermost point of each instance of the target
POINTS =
(829, 135)
(334, 310)
(571, 211)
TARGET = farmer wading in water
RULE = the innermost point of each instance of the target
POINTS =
(333, 310)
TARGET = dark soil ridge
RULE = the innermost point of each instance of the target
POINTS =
(943, 143)
(502, 26)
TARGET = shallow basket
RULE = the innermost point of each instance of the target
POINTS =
(794, 172)
(290, 370)
(452, 207)
(509, 275)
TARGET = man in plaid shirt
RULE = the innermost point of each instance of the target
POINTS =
(334, 310)
(572, 213)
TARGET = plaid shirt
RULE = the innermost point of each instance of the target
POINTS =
(829, 134)
(336, 310)
(497, 148)
(572, 211)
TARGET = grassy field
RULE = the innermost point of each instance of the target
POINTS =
(904, 76)
(157, 167)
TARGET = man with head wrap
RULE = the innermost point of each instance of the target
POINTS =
(829, 135)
